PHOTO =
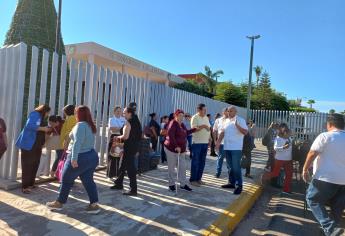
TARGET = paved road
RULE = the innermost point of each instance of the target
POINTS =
(279, 214)
(154, 212)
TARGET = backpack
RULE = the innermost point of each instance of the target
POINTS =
(267, 140)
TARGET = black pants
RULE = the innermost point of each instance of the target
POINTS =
(30, 162)
(163, 154)
(57, 159)
(270, 161)
(128, 164)
(154, 143)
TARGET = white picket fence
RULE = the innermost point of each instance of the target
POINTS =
(95, 86)
(304, 125)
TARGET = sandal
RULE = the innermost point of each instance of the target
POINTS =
(26, 190)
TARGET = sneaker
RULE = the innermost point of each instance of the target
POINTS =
(54, 205)
(130, 193)
(267, 169)
(217, 176)
(228, 186)
(201, 182)
(93, 209)
(116, 187)
(195, 183)
(238, 191)
(172, 188)
(187, 188)
(287, 193)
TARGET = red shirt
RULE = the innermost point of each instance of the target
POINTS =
(177, 136)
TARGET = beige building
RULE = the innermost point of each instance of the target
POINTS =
(108, 58)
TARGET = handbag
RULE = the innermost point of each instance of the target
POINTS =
(53, 142)
(61, 165)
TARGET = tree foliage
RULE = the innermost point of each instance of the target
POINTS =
(211, 78)
(263, 97)
(230, 93)
(34, 23)
(192, 87)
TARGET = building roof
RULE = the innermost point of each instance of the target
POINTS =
(92, 48)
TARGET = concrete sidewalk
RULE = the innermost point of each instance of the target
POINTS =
(155, 211)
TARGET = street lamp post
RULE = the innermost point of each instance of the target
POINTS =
(249, 95)
(58, 28)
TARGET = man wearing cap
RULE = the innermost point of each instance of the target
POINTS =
(233, 133)
(218, 125)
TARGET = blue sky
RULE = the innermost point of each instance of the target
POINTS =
(302, 44)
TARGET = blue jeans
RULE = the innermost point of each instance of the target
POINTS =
(233, 158)
(198, 161)
(220, 160)
(87, 163)
(320, 194)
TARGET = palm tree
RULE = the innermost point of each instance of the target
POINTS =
(212, 78)
(258, 71)
(311, 102)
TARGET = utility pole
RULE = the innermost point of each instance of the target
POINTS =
(249, 95)
(58, 28)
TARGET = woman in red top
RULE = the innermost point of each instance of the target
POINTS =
(175, 148)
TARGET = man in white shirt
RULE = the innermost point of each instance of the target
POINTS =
(328, 183)
(217, 127)
(233, 133)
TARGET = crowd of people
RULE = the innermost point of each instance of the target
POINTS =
(323, 170)
(228, 136)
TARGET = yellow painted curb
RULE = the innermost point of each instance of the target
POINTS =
(234, 213)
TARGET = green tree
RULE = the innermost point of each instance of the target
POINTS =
(193, 87)
(279, 102)
(230, 93)
(302, 109)
(258, 71)
(295, 103)
(311, 102)
(263, 93)
(212, 78)
(332, 111)
(34, 23)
